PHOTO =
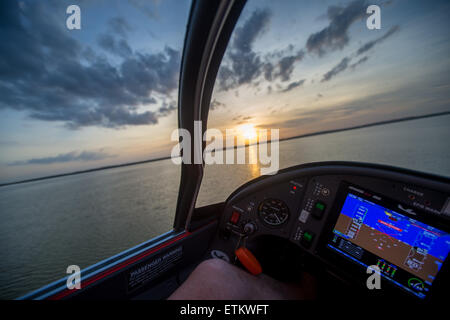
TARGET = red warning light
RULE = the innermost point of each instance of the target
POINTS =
(294, 187)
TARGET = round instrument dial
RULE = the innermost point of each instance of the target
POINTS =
(273, 212)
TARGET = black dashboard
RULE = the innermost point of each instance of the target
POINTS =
(350, 217)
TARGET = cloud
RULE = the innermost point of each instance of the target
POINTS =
(242, 119)
(244, 64)
(293, 85)
(341, 66)
(335, 35)
(283, 68)
(215, 104)
(66, 157)
(119, 26)
(280, 63)
(345, 62)
(247, 34)
(369, 45)
(115, 46)
(286, 65)
(167, 108)
(52, 77)
(357, 63)
(268, 71)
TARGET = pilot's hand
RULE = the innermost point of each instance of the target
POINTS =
(216, 279)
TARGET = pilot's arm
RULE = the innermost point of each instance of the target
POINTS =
(216, 279)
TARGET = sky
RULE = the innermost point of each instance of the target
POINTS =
(107, 94)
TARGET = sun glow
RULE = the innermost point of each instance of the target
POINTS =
(247, 131)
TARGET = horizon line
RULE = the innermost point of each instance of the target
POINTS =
(323, 132)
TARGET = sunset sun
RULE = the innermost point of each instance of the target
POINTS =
(247, 131)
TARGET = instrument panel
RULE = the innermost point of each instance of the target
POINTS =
(351, 216)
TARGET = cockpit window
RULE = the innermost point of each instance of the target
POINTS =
(85, 85)
(314, 69)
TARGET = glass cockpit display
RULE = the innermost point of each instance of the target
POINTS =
(407, 252)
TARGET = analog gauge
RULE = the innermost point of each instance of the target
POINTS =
(273, 212)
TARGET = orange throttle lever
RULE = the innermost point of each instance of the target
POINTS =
(248, 260)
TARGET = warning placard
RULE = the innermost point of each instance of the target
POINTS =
(147, 271)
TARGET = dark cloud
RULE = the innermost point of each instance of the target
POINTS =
(345, 62)
(244, 64)
(283, 68)
(49, 75)
(277, 54)
(119, 26)
(286, 65)
(167, 108)
(66, 157)
(335, 35)
(246, 35)
(244, 69)
(215, 104)
(115, 46)
(369, 45)
(280, 63)
(357, 63)
(268, 71)
(242, 119)
(293, 85)
(341, 66)
(114, 40)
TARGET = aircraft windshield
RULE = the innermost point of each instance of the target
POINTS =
(311, 67)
